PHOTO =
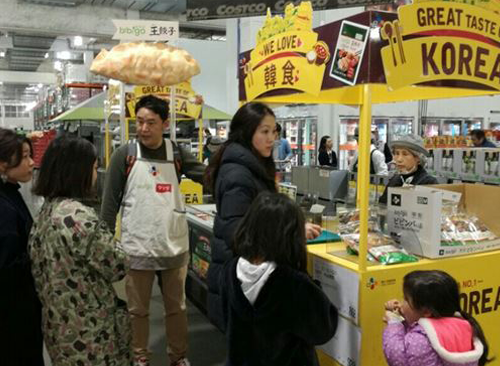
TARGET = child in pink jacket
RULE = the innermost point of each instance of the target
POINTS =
(428, 328)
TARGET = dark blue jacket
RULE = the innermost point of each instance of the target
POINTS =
(487, 143)
(420, 177)
(20, 309)
(240, 179)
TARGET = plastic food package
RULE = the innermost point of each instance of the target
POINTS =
(381, 248)
(349, 222)
(462, 229)
(390, 254)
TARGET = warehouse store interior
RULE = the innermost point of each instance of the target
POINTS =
(382, 128)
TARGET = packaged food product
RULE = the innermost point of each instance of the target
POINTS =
(459, 228)
(349, 222)
(391, 254)
(381, 248)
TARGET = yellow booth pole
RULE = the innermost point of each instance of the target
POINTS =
(107, 147)
(363, 181)
(200, 140)
(127, 129)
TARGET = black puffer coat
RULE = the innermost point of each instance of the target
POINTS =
(240, 179)
(420, 177)
(290, 316)
(20, 310)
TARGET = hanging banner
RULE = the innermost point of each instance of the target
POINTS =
(491, 5)
(188, 104)
(145, 30)
(287, 55)
(215, 9)
(442, 42)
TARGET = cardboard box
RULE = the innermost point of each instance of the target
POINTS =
(414, 216)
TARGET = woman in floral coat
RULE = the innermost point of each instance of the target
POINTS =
(75, 260)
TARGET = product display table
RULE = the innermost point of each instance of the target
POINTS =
(200, 221)
(360, 298)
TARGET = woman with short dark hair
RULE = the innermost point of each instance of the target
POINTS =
(75, 261)
(20, 310)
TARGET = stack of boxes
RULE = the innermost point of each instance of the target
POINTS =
(40, 144)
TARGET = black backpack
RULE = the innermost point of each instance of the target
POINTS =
(372, 168)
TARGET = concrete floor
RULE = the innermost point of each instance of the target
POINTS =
(207, 345)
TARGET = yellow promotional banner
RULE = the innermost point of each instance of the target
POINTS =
(438, 41)
(187, 103)
(443, 58)
(192, 192)
(287, 56)
(493, 5)
(436, 15)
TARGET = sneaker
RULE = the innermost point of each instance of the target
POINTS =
(181, 362)
(141, 361)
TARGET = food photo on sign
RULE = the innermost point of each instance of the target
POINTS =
(349, 52)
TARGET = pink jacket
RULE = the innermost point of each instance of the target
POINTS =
(431, 342)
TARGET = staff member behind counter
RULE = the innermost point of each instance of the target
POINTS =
(409, 155)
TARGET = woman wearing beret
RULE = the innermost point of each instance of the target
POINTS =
(409, 155)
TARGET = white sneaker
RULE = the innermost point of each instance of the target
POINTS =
(141, 361)
(182, 362)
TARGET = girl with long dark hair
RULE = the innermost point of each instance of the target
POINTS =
(435, 331)
(276, 313)
(326, 155)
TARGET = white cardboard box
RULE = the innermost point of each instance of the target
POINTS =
(341, 285)
(414, 214)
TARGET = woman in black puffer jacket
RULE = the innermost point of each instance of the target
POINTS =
(241, 169)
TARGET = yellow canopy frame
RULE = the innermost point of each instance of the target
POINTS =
(365, 95)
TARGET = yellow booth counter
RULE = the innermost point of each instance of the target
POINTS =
(360, 298)
(429, 50)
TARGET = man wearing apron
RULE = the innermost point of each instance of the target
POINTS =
(154, 230)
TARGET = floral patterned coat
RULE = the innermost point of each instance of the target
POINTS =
(74, 262)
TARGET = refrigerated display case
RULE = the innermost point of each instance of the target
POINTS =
(347, 142)
(452, 127)
(301, 133)
(471, 124)
(386, 127)
(436, 126)
(430, 128)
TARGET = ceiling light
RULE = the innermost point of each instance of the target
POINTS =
(64, 55)
(78, 41)
(2, 53)
(40, 86)
(46, 55)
